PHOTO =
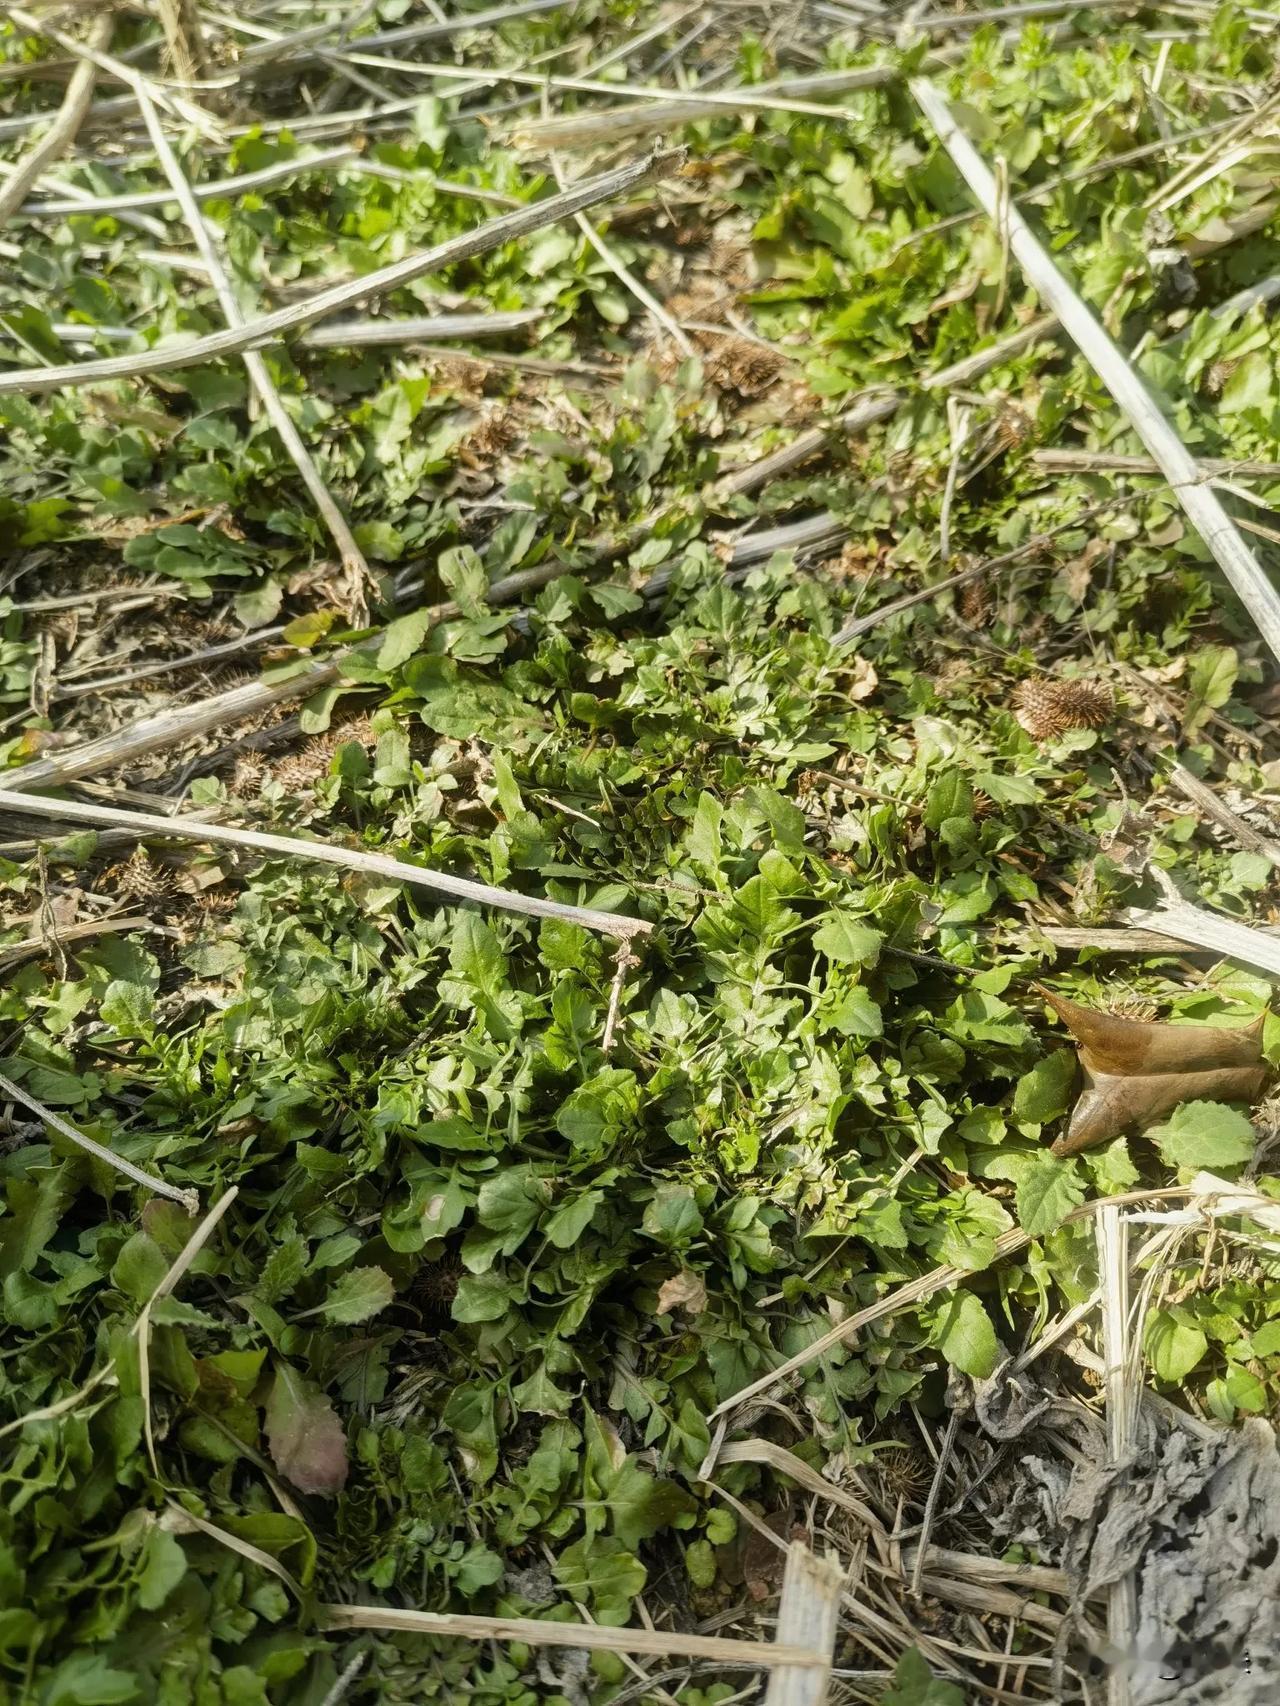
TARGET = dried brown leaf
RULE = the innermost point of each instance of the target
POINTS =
(304, 1434)
(684, 1290)
(1134, 1072)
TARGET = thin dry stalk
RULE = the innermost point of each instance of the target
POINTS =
(356, 334)
(358, 575)
(1214, 1197)
(1113, 1266)
(142, 1326)
(189, 1199)
(595, 1637)
(290, 847)
(784, 1462)
(179, 1520)
(303, 45)
(914, 1291)
(1107, 462)
(976, 571)
(867, 411)
(66, 123)
(73, 200)
(1202, 506)
(132, 79)
(267, 328)
(994, 1572)
(345, 1678)
(958, 426)
(971, 367)
(808, 1617)
(181, 1262)
(1199, 928)
(1204, 798)
(623, 962)
(183, 38)
(1115, 941)
(658, 110)
(931, 1503)
(169, 727)
(13, 953)
(623, 273)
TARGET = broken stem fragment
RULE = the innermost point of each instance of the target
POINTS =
(270, 328)
(353, 859)
(189, 1200)
(1201, 503)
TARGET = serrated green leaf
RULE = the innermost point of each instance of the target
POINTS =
(1043, 1094)
(357, 1296)
(962, 1331)
(845, 939)
(1205, 1134)
(1047, 1192)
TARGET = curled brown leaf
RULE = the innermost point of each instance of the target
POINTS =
(1134, 1072)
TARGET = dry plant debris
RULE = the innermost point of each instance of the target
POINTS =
(769, 580)
(1136, 1071)
(1047, 709)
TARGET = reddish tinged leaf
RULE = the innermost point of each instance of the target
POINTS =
(304, 1434)
(1134, 1072)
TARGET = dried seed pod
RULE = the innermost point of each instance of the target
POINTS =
(741, 365)
(976, 604)
(1049, 708)
(138, 877)
(437, 1285)
(496, 431)
(304, 769)
(905, 1469)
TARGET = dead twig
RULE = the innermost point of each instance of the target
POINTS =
(867, 411)
(623, 962)
(1205, 800)
(351, 859)
(268, 328)
(167, 728)
(66, 123)
(808, 1617)
(13, 953)
(976, 571)
(1106, 462)
(1113, 1268)
(596, 1637)
(189, 1200)
(1199, 928)
(1108, 939)
(931, 1502)
(358, 577)
(1202, 506)
(178, 105)
(659, 110)
(913, 1291)
(183, 38)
